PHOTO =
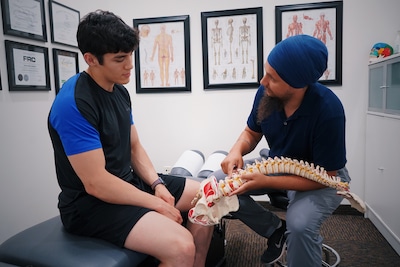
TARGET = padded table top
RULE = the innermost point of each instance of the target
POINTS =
(48, 244)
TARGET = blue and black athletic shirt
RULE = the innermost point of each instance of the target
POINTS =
(85, 117)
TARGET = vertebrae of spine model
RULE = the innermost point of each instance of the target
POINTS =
(283, 166)
(209, 210)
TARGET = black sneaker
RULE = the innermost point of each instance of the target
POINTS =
(276, 245)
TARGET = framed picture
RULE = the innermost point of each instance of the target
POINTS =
(322, 20)
(64, 23)
(28, 67)
(66, 65)
(24, 18)
(232, 48)
(162, 60)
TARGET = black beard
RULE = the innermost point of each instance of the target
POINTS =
(267, 106)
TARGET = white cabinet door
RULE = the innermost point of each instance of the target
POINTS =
(382, 183)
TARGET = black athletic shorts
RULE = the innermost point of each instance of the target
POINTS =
(92, 217)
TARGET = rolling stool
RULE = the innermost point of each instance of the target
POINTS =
(330, 257)
(279, 199)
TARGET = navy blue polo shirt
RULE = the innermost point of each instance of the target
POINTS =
(314, 133)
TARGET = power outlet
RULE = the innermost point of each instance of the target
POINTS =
(167, 169)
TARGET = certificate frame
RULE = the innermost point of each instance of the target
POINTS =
(64, 23)
(232, 48)
(66, 64)
(311, 17)
(25, 61)
(24, 18)
(149, 70)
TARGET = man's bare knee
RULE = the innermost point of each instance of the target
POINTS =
(181, 252)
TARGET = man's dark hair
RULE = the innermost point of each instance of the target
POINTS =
(102, 32)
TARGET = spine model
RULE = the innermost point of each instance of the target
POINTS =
(271, 166)
(283, 166)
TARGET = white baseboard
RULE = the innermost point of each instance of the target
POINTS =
(388, 234)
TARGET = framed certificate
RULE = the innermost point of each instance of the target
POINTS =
(64, 23)
(65, 66)
(24, 18)
(28, 67)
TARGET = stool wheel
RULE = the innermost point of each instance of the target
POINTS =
(330, 257)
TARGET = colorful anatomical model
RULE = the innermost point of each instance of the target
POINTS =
(212, 201)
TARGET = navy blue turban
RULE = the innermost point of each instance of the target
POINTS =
(299, 60)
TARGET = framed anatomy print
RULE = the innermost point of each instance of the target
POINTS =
(24, 18)
(322, 20)
(28, 67)
(162, 61)
(232, 48)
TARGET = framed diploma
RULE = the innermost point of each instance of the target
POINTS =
(24, 18)
(64, 23)
(65, 66)
(28, 67)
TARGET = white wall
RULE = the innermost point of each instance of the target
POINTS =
(168, 124)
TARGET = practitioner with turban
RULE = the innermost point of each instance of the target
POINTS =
(300, 119)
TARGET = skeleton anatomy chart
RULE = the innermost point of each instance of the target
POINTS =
(232, 49)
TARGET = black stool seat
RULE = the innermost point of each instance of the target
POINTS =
(47, 244)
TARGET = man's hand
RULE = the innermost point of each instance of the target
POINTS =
(168, 207)
(162, 192)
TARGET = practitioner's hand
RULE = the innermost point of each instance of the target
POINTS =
(231, 163)
(252, 181)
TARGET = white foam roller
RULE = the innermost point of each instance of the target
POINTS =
(212, 163)
(188, 164)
